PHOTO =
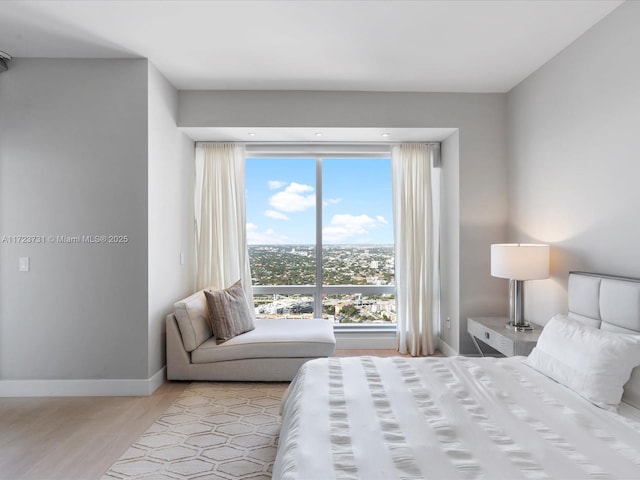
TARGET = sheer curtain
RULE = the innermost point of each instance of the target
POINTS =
(415, 223)
(221, 243)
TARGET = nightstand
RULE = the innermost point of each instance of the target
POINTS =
(492, 331)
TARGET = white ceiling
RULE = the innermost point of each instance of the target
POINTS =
(434, 46)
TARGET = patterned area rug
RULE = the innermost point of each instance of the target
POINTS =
(212, 431)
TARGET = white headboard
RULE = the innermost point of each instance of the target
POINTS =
(605, 301)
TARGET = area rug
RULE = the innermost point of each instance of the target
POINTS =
(212, 431)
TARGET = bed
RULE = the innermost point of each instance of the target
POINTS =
(568, 411)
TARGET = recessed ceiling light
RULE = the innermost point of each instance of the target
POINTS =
(318, 134)
(251, 134)
(386, 135)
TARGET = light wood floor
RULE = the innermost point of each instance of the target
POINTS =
(375, 353)
(71, 438)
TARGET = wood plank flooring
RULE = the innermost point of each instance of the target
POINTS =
(69, 438)
(375, 353)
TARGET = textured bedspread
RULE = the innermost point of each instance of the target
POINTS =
(446, 418)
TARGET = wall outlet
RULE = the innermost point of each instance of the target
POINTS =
(23, 264)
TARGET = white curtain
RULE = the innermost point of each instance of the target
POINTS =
(415, 223)
(221, 239)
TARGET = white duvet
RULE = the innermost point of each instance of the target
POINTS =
(447, 418)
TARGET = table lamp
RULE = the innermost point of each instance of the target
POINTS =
(519, 262)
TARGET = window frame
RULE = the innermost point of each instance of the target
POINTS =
(319, 152)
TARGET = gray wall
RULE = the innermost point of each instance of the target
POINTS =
(573, 151)
(480, 174)
(91, 147)
(171, 174)
(73, 161)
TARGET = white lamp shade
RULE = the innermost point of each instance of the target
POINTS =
(520, 261)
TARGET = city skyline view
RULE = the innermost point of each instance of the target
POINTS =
(365, 265)
(356, 201)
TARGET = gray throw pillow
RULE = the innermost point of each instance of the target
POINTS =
(229, 312)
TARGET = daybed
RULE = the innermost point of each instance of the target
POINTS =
(273, 351)
(480, 418)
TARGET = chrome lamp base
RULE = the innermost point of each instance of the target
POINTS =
(516, 308)
(526, 327)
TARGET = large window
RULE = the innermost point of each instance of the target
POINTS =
(320, 236)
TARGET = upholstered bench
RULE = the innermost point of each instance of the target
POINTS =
(273, 351)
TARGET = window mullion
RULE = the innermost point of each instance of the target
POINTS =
(317, 308)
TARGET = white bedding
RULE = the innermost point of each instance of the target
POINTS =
(447, 418)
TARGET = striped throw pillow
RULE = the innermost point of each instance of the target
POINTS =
(229, 312)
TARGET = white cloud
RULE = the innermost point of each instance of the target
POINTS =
(268, 237)
(331, 201)
(298, 188)
(291, 199)
(345, 226)
(276, 215)
(276, 184)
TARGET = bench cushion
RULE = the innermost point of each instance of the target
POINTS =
(272, 338)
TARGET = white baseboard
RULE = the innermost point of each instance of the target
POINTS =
(365, 341)
(446, 349)
(379, 341)
(83, 388)
(156, 380)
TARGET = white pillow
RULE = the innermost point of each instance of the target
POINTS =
(594, 363)
(192, 315)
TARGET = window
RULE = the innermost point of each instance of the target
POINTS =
(320, 235)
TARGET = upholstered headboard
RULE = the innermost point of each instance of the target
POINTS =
(604, 301)
(609, 303)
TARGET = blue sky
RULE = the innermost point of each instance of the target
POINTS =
(356, 197)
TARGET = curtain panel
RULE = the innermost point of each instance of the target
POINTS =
(221, 243)
(416, 232)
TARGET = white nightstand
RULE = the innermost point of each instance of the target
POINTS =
(492, 331)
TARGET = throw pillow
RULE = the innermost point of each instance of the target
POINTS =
(192, 314)
(229, 312)
(593, 363)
